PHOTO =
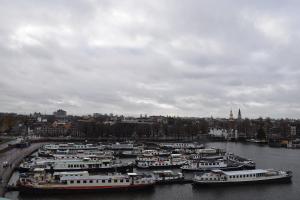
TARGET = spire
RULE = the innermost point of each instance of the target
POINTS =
(231, 115)
(239, 115)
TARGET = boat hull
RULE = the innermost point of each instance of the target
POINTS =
(173, 181)
(286, 179)
(121, 169)
(80, 189)
(207, 170)
(160, 167)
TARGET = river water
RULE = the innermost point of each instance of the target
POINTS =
(264, 156)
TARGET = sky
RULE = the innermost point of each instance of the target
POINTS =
(157, 57)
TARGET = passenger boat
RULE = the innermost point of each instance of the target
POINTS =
(71, 147)
(82, 181)
(131, 153)
(121, 146)
(247, 163)
(181, 146)
(84, 164)
(153, 152)
(168, 176)
(174, 161)
(208, 165)
(219, 177)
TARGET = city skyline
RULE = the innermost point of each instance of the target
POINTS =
(192, 58)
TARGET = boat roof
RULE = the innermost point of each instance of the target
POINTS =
(165, 171)
(132, 174)
(242, 172)
(38, 169)
(71, 173)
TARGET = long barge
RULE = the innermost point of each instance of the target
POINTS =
(219, 177)
(82, 181)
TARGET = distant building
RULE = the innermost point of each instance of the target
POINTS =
(231, 121)
(60, 114)
(293, 131)
(231, 116)
(239, 115)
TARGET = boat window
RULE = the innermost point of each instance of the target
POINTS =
(115, 181)
(109, 180)
(121, 180)
(84, 181)
(71, 182)
(78, 181)
(91, 181)
(103, 181)
(127, 180)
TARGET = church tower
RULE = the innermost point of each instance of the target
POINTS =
(239, 115)
(231, 120)
(231, 116)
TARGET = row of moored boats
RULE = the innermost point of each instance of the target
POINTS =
(90, 167)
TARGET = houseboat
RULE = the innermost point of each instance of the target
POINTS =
(219, 177)
(181, 146)
(246, 163)
(84, 164)
(208, 165)
(168, 176)
(161, 163)
(71, 147)
(82, 181)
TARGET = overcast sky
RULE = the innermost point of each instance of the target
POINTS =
(168, 57)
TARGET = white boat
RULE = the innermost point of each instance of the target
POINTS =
(71, 147)
(82, 181)
(83, 164)
(168, 176)
(161, 163)
(219, 177)
(211, 164)
(121, 146)
(181, 145)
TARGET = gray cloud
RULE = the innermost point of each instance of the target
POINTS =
(187, 58)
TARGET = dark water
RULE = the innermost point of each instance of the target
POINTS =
(265, 157)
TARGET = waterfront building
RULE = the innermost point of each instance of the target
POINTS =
(293, 131)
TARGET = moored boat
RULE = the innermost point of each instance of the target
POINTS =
(174, 161)
(219, 177)
(82, 181)
(168, 176)
(204, 165)
(78, 164)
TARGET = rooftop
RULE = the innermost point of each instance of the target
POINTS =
(244, 172)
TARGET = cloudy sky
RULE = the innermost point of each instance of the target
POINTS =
(169, 57)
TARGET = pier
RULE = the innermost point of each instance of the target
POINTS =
(13, 157)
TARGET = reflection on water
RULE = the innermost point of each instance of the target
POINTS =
(264, 156)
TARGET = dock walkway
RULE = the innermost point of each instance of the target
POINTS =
(13, 156)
